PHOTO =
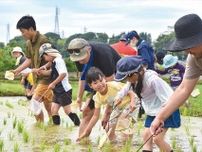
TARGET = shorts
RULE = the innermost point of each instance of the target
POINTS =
(91, 104)
(41, 90)
(63, 99)
(173, 121)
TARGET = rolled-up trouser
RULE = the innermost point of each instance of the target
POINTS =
(35, 107)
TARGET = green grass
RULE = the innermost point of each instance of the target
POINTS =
(11, 88)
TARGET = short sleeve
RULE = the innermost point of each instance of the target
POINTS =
(97, 103)
(192, 70)
(60, 66)
(27, 50)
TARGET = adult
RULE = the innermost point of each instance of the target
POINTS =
(123, 48)
(34, 40)
(86, 55)
(188, 33)
(144, 49)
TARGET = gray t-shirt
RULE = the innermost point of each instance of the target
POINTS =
(193, 67)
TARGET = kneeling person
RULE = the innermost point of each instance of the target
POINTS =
(60, 84)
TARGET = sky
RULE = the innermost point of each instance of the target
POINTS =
(108, 16)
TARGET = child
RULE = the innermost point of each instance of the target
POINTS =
(26, 80)
(175, 69)
(153, 92)
(105, 95)
(60, 84)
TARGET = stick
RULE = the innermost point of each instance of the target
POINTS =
(144, 143)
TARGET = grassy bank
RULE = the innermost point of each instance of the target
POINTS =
(13, 88)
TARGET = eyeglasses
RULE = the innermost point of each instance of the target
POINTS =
(75, 51)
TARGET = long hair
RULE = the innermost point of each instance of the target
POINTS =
(138, 87)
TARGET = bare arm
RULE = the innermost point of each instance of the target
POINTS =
(132, 96)
(24, 65)
(180, 95)
(91, 124)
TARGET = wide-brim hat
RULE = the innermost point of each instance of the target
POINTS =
(169, 61)
(188, 33)
(78, 44)
(17, 49)
(127, 65)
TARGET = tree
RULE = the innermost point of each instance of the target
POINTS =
(2, 45)
(17, 41)
(146, 36)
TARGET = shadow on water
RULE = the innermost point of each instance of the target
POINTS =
(20, 132)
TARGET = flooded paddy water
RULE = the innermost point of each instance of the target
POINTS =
(20, 132)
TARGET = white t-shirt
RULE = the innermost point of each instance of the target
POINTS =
(155, 92)
(61, 68)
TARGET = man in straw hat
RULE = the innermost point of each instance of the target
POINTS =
(188, 33)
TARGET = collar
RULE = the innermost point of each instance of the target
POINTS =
(35, 37)
(139, 42)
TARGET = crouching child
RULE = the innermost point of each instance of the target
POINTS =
(105, 95)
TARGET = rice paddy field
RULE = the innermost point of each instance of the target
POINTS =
(19, 132)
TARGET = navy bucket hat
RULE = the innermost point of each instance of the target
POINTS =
(188, 33)
(128, 65)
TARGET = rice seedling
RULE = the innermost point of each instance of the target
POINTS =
(14, 122)
(8, 114)
(107, 147)
(174, 143)
(20, 126)
(25, 135)
(67, 141)
(16, 147)
(1, 145)
(127, 146)
(11, 136)
(43, 146)
(90, 148)
(22, 103)
(57, 148)
(4, 121)
(9, 105)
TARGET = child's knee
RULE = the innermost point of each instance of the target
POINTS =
(157, 140)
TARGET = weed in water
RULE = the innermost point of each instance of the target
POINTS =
(43, 146)
(16, 147)
(57, 148)
(20, 126)
(1, 145)
(25, 135)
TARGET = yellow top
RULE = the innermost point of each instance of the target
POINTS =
(113, 88)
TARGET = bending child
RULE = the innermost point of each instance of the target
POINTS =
(105, 95)
(60, 84)
(153, 93)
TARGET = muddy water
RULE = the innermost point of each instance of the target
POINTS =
(46, 137)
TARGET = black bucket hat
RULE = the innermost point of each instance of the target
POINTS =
(188, 33)
(127, 65)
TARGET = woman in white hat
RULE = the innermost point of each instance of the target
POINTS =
(26, 75)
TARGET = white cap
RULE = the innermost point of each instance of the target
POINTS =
(17, 49)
